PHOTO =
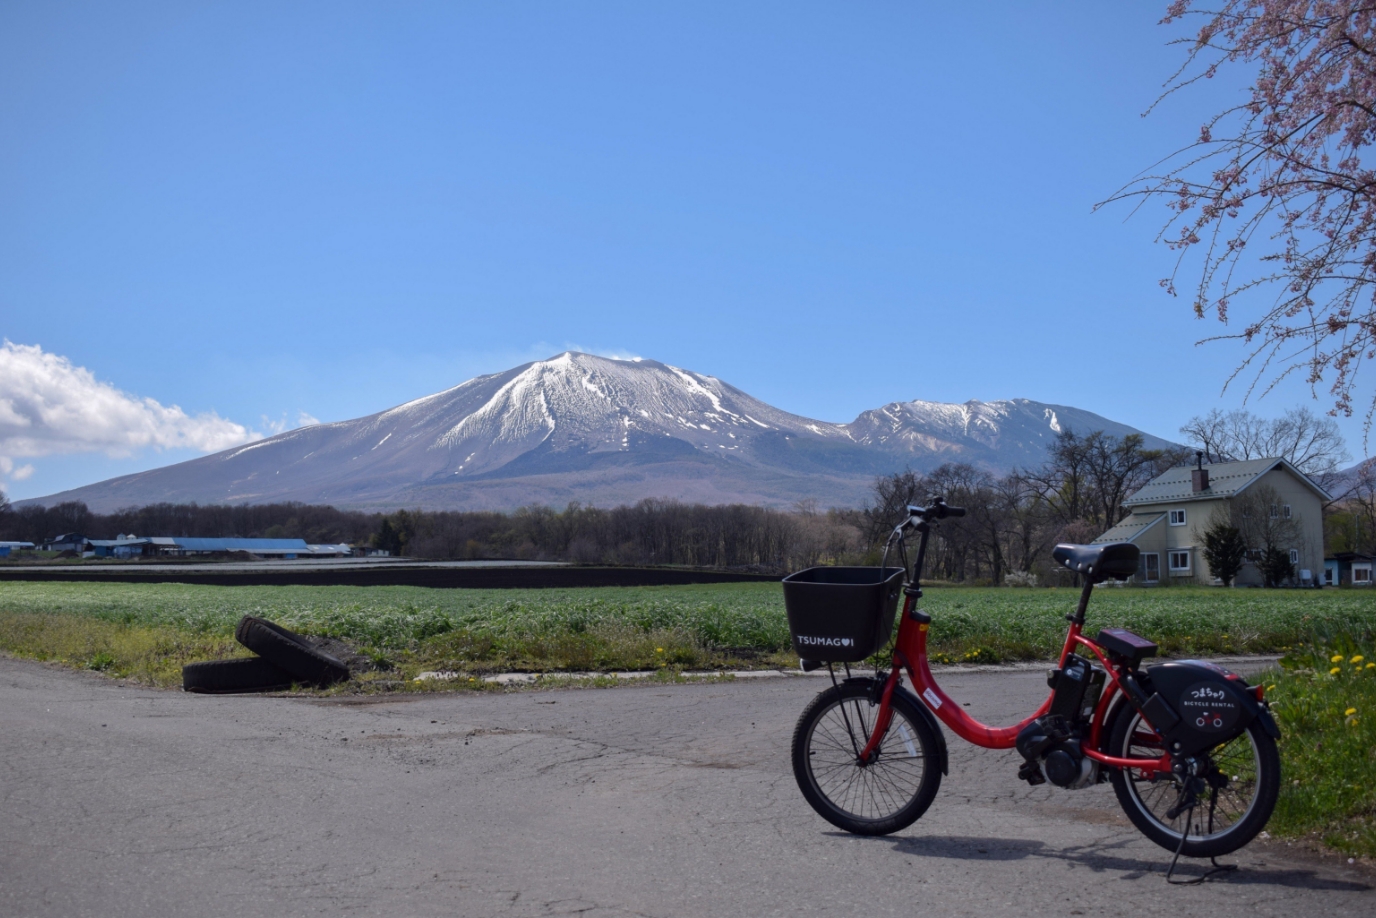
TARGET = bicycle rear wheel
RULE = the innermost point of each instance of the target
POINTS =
(877, 798)
(1243, 782)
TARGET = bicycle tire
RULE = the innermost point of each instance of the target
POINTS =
(233, 677)
(289, 651)
(885, 796)
(1251, 785)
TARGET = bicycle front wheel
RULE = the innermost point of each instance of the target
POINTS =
(1242, 777)
(882, 796)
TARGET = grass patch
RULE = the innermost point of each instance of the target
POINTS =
(1324, 698)
(152, 654)
(146, 631)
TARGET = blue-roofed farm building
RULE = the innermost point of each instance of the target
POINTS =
(178, 547)
(7, 547)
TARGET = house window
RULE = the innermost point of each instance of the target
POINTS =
(1275, 512)
(1255, 555)
(1177, 517)
(1151, 567)
(1294, 555)
(1361, 573)
(1179, 561)
(1285, 511)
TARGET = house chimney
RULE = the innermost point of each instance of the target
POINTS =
(1199, 476)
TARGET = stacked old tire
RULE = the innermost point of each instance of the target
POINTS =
(283, 659)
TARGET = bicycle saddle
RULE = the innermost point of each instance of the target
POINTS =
(1099, 562)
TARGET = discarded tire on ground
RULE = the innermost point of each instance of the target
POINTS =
(290, 652)
(226, 677)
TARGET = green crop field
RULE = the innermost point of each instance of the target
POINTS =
(719, 624)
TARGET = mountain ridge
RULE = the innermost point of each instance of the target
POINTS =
(599, 430)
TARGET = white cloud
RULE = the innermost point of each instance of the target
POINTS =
(10, 470)
(50, 406)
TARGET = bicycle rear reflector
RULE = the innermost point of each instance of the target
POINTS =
(841, 614)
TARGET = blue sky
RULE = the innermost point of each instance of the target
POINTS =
(274, 210)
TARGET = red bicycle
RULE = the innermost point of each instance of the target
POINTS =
(1190, 747)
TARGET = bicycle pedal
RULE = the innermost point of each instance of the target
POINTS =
(1031, 772)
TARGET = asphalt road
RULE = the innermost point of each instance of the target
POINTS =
(646, 800)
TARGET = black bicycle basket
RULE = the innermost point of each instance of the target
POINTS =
(841, 614)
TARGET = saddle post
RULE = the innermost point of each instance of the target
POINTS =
(1086, 591)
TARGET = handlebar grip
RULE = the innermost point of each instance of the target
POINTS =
(937, 511)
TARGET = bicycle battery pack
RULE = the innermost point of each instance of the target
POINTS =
(1211, 705)
(1068, 687)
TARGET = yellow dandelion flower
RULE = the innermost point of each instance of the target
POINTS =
(659, 650)
(1357, 659)
(1334, 671)
(1337, 658)
(1370, 666)
(1349, 712)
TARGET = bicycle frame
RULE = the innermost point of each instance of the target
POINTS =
(910, 655)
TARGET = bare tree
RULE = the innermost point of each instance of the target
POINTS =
(1350, 521)
(892, 495)
(1088, 478)
(1258, 514)
(1363, 497)
(1063, 480)
(1029, 531)
(1309, 442)
(1118, 467)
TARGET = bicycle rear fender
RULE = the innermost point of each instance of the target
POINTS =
(876, 689)
(1212, 705)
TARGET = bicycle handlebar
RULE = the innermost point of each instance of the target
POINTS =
(918, 517)
(939, 510)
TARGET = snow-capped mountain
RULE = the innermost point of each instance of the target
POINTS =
(597, 430)
(997, 435)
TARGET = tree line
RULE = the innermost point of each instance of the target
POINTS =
(649, 532)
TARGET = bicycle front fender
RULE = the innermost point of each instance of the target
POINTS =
(931, 722)
(927, 715)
